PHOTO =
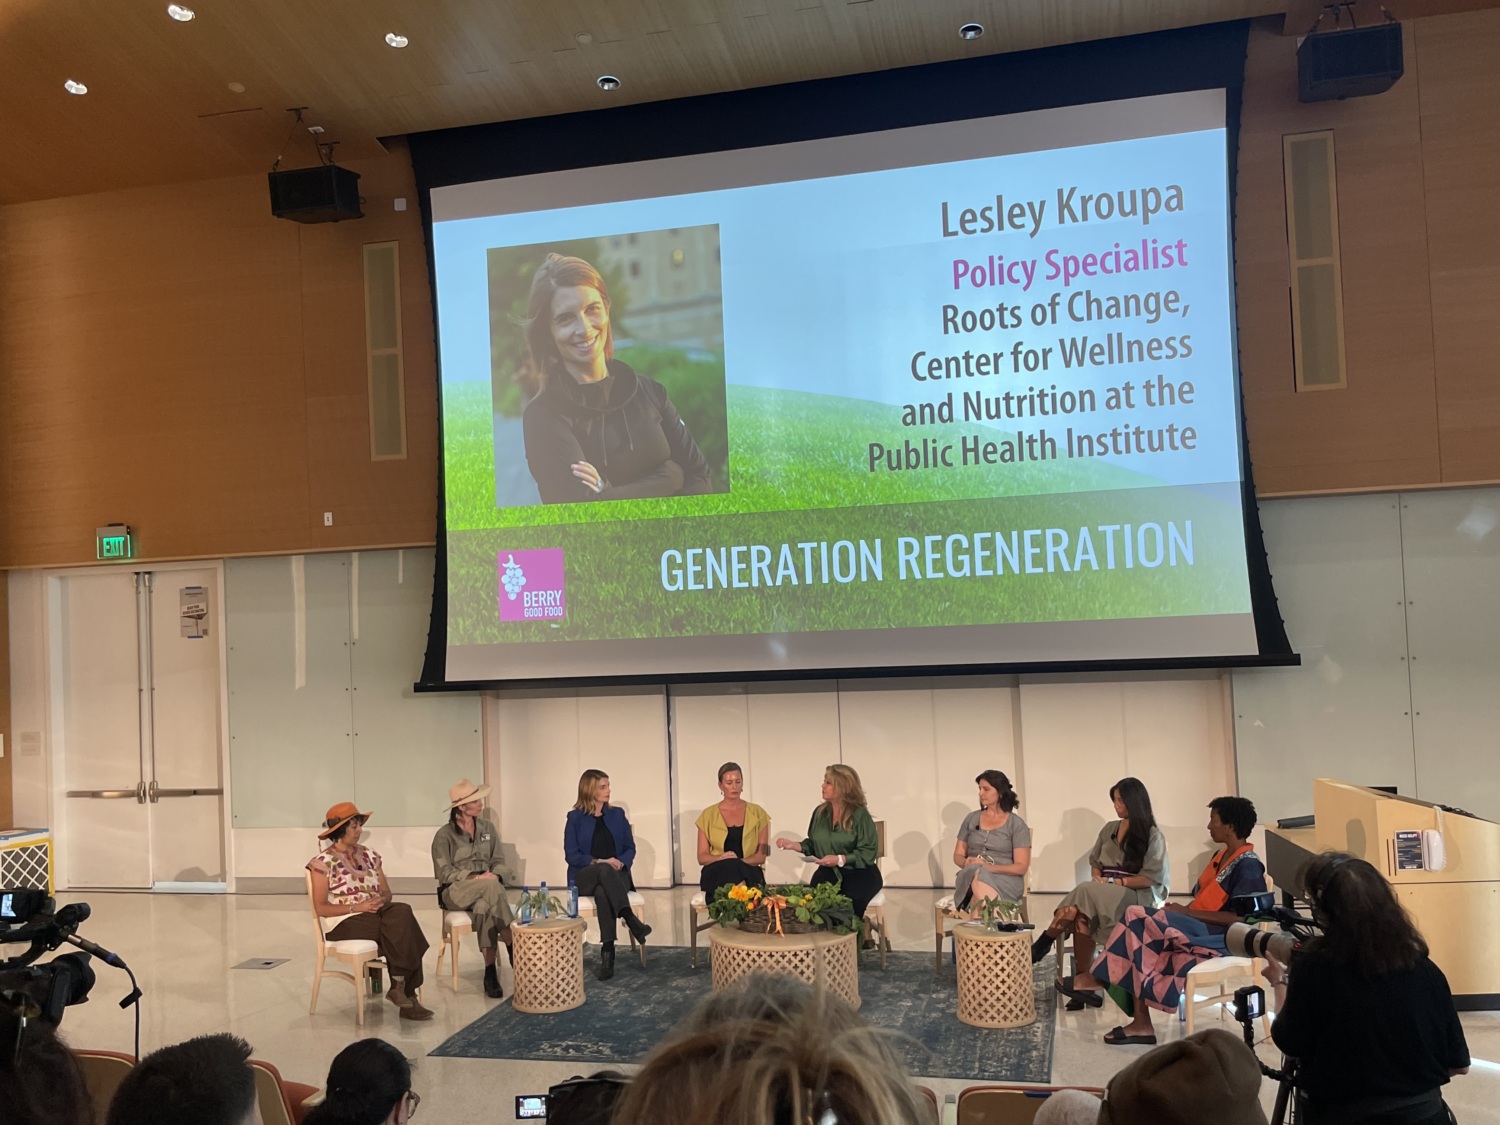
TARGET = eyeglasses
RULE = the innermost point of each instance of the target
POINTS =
(413, 1099)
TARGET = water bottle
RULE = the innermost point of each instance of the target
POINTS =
(572, 899)
(544, 898)
(525, 906)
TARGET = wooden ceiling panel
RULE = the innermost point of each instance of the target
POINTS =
(156, 85)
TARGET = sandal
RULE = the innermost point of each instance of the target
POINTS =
(1088, 996)
(1118, 1038)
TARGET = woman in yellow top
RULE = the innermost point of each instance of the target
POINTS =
(734, 836)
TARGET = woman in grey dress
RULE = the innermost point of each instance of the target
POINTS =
(993, 851)
(1128, 867)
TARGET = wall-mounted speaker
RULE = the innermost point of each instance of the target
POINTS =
(1352, 63)
(324, 194)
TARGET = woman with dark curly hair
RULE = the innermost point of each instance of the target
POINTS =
(993, 852)
(1368, 1016)
(596, 430)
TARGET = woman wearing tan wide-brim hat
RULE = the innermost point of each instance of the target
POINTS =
(472, 876)
(353, 901)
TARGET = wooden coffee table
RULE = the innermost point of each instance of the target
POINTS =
(822, 959)
(549, 965)
(995, 986)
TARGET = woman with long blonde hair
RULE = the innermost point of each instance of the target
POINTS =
(841, 839)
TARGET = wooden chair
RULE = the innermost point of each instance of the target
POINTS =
(281, 1102)
(1007, 1105)
(103, 1071)
(456, 923)
(588, 909)
(360, 954)
(698, 921)
(875, 913)
(945, 913)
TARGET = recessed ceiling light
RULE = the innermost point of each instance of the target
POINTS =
(75, 87)
(971, 31)
(236, 87)
(179, 13)
(395, 40)
(583, 38)
(607, 82)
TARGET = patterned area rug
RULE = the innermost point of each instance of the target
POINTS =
(623, 1018)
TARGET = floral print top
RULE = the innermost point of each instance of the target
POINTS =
(352, 878)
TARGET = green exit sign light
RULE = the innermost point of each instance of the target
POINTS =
(114, 542)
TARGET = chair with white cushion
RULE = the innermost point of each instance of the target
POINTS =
(361, 955)
(456, 923)
(587, 909)
(698, 921)
(1224, 974)
(875, 913)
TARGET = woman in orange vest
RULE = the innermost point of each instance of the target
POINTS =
(1145, 962)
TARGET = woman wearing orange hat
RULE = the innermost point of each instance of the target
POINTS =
(353, 901)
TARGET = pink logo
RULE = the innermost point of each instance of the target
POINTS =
(532, 585)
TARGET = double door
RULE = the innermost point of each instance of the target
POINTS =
(136, 691)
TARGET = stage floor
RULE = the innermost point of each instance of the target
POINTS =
(182, 948)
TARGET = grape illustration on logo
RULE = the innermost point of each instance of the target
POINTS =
(512, 577)
(531, 585)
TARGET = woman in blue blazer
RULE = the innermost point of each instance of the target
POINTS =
(600, 849)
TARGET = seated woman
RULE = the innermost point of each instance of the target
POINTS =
(600, 848)
(841, 839)
(353, 900)
(1129, 868)
(733, 837)
(993, 852)
(1147, 957)
(471, 875)
(369, 1083)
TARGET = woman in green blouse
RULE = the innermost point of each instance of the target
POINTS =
(841, 839)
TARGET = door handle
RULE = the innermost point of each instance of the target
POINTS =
(160, 792)
(153, 791)
(105, 794)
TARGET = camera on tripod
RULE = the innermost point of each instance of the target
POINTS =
(1247, 939)
(41, 992)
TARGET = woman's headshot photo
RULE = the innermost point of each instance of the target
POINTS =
(608, 368)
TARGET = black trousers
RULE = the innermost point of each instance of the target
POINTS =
(861, 884)
(610, 890)
(730, 869)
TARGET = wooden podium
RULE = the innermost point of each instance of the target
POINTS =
(1457, 909)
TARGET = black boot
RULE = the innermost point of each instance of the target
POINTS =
(1041, 947)
(606, 961)
(492, 987)
(638, 929)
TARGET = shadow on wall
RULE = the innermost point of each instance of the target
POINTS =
(1076, 824)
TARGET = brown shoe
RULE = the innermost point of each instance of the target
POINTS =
(397, 995)
(415, 1011)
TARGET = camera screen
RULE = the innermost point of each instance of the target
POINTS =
(6, 909)
(531, 1105)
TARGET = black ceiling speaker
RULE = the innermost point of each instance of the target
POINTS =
(324, 194)
(1351, 63)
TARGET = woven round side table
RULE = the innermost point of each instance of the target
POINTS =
(822, 959)
(549, 965)
(994, 977)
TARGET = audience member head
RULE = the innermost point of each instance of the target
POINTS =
(1210, 1076)
(1068, 1107)
(586, 1101)
(205, 1081)
(1364, 926)
(1237, 813)
(588, 790)
(40, 1080)
(369, 1083)
(1133, 803)
(772, 1051)
(1000, 784)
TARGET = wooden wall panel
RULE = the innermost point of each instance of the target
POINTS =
(1418, 238)
(178, 359)
(7, 804)
(1460, 118)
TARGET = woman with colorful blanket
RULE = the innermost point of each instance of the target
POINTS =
(1147, 957)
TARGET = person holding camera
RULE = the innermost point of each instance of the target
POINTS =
(1368, 1017)
(1146, 960)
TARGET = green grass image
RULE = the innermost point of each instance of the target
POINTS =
(788, 450)
(614, 585)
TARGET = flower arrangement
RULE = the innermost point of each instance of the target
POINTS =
(822, 907)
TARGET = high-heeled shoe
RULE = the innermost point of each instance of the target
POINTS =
(606, 962)
(638, 929)
(1041, 947)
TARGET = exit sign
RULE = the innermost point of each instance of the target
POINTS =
(113, 542)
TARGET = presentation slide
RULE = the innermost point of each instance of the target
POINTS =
(950, 396)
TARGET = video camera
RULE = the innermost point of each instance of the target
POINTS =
(31, 917)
